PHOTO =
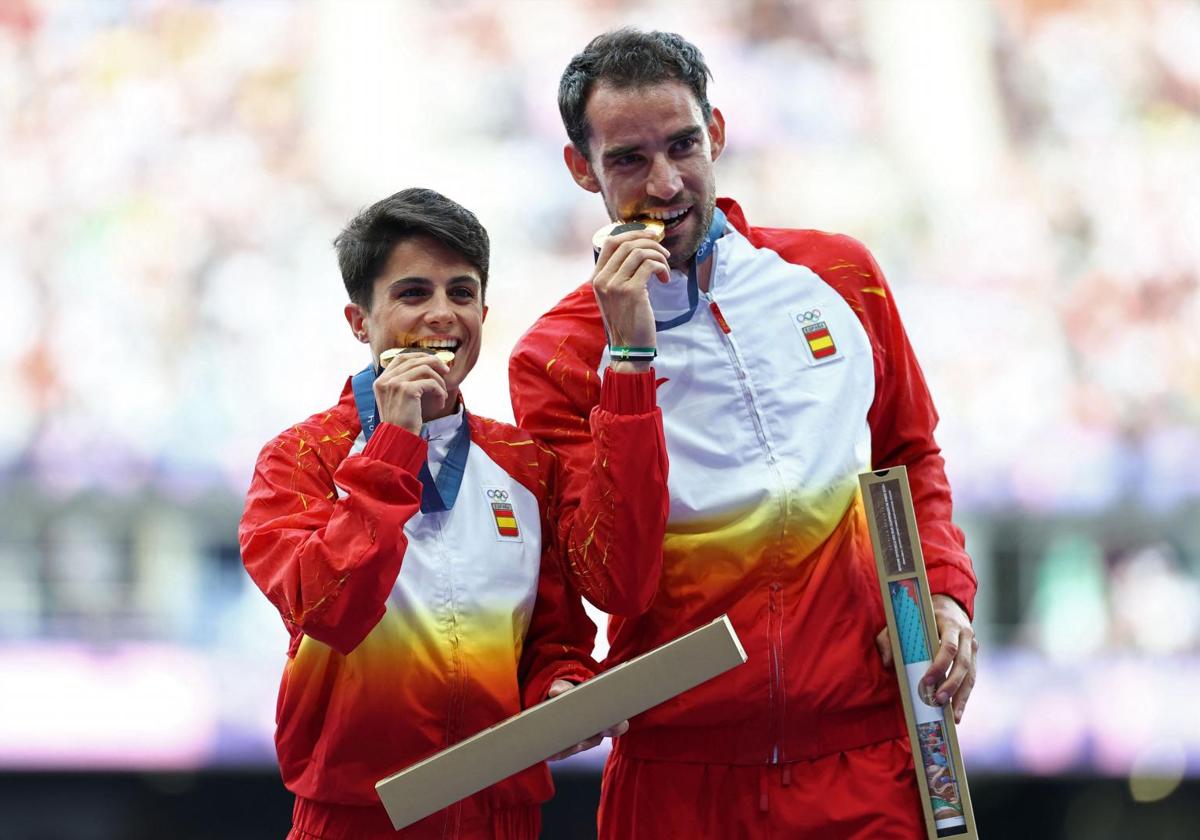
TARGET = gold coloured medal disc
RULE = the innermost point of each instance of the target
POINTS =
(654, 227)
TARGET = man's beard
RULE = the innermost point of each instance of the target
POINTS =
(682, 255)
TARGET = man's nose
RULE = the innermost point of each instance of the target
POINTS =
(664, 181)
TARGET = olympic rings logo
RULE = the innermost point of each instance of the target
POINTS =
(810, 315)
(498, 495)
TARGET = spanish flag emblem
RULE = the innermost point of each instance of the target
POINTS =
(820, 342)
(506, 519)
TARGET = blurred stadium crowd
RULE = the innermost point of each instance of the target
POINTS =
(173, 173)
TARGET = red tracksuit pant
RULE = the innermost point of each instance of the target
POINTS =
(325, 821)
(866, 794)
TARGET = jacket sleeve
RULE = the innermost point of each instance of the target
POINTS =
(902, 420)
(608, 437)
(560, 637)
(329, 563)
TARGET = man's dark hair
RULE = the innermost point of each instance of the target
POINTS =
(366, 244)
(628, 58)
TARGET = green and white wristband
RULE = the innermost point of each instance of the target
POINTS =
(632, 354)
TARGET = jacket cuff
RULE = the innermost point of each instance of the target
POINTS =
(628, 393)
(538, 689)
(947, 580)
(397, 446)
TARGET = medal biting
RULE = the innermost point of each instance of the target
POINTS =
(654, 227)
(388, 356)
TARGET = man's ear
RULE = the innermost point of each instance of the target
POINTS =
(580, 168)
(485, 311)
(716, 133)
(357, 319)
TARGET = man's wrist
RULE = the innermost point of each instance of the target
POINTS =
(630, 366)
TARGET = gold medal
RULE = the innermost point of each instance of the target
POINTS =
(389, 356)
(654, 227)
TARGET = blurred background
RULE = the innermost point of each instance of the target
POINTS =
(172, 175)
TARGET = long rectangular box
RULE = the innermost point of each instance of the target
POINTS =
(912, 631)
(560, 722)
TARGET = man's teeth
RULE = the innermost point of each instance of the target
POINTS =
(667, 216)
(438, 344)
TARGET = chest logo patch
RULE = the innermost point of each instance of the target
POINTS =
(816, 334)
(504, 514)
(820, 342)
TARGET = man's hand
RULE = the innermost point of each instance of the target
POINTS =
(626, 263)
(955, 654)
(558, 687)
(410, 379)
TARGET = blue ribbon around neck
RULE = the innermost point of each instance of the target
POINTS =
(715, 231)
(436, 496)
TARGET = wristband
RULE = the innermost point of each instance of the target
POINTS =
(632, 354)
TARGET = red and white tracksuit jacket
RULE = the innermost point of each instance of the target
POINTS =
(411, 631)
(767, 427)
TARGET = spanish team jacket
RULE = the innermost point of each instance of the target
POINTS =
(791, 376)
(412, 630)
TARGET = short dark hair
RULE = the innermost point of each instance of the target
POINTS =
(366, 244)
(628, 58)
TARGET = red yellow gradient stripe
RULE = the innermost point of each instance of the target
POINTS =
(413, 652)
(776, 535)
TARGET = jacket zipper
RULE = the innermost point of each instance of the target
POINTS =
(778, 694)
(777, 699)
(452, 827)
(735, 358)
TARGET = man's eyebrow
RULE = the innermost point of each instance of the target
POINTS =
(620, 151)
(682, 134)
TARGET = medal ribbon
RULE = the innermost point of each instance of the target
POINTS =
(715, 231)
(436, 496)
